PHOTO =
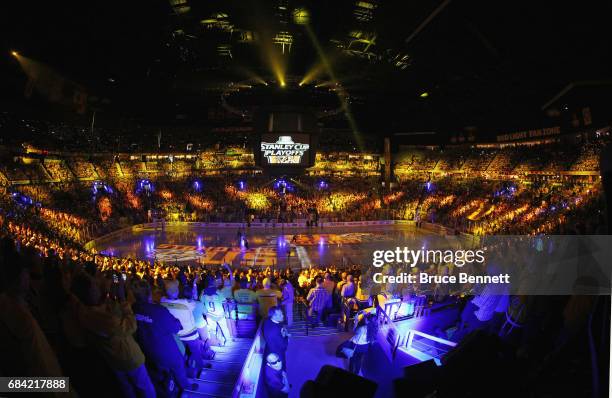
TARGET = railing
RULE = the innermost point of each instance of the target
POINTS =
(420, 345)
(303, 308)
(424, 346)
(235, 310)
(386, 326)
(248, 380)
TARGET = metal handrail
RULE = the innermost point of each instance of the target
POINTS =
(303, 304)
(248, 379)
(385, 320)
(412, 333)
(232, 305)
(407, 340)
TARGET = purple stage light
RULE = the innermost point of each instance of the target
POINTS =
(197, 185)
(144, 185)
(99, 186)
(149, 246)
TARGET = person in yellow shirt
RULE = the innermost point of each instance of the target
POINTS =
(246, 297)
(267, 297)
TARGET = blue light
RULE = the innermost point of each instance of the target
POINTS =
(241, 185)
(149, 246)
(283, 186)
(197, 185)
(22, 199)
(99, 186)
(108, 252)
(144, 185)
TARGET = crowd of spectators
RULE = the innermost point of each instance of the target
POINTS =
(474, 205)
(137, 321)
(75, 306)
(117, 313)
(511, 207)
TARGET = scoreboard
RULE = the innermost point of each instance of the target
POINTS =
(287, 142)
(285, 150)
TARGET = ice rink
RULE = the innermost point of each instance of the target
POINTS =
(282, 247)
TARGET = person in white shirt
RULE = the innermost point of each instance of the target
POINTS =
(214, 312)
(191, 315)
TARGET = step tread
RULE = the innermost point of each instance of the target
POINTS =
(226, 366)
(230, 356)
(195, 394)
(230, 349)
(214, 389)
(234, 345)
(310, 330)
(216, 376)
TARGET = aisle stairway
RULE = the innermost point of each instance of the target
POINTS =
(300, 327)
(220, 379)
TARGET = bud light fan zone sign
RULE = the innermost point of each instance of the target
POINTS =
(285, 150)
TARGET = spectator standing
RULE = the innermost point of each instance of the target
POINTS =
(267, 297)
(329, 284)
(275, 334)
(275, 378)
(213, 309)
(25, 349)
(348, 289)
(190, 314)
(110, 325)
(288, 295)
(245, 296)
(157, 335)
(318, 300)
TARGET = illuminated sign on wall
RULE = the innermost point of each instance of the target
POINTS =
(284, 151)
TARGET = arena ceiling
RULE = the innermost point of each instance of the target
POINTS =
(407, 65)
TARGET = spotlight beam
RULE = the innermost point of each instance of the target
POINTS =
(342, 95)
(313, 73)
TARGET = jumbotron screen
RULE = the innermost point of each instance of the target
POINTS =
(284, 149)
